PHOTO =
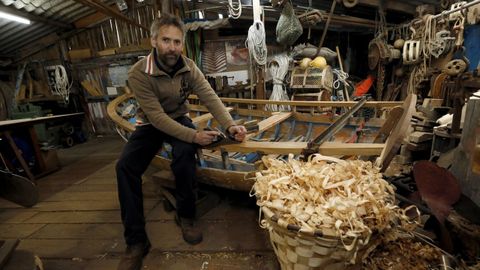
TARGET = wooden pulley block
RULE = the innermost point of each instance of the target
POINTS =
(445, 4)
(457, 14)
(455, 67)
(411, 52)
(473, 14)
(350, 3)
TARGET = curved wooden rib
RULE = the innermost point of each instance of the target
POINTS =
(112, 113)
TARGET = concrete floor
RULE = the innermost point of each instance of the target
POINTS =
(76, 224)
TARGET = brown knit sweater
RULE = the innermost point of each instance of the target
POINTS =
(163, 98)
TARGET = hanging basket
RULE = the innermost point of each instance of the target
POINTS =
(297, 249)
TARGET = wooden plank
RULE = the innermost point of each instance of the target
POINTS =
(8, 124)
(105, 52)
(270, 122)
(327, 148)
(328, 119)
(9, 231)
(15, 215)
(337, 104)
(394, 141)
(6, 249)
(205, 117)
(83, 196)
(72, 217)
(80, 231)
(72, 248)
(388, 126)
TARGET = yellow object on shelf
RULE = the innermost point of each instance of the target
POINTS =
(319, 62)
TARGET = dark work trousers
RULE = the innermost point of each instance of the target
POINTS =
(137, 154)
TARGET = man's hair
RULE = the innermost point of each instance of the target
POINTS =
(166, 19)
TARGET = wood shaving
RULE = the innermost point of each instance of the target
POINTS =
(346, 199)
(404, 254)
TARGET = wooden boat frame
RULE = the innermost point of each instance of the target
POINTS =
(220, 167)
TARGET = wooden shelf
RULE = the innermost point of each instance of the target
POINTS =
(101, 98)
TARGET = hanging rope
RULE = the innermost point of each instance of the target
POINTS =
(340, 78)
(61, 86)
(235, 11)
(256, 42)
(278, 69)
(428, 36)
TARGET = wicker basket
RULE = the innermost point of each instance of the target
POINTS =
(300, 250)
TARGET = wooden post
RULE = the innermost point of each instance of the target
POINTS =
(260, 87)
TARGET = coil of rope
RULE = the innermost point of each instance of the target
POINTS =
(235, 11)
(278, 69)
(61, 85)
(256, 43)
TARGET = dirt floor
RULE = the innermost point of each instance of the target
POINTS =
(76, 224)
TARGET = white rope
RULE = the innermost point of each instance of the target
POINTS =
(428, 36)
(340, 78)
(256, 42)
(278, 69)
(61, 86)
(235, 11)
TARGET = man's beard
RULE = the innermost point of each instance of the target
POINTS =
(169, 60)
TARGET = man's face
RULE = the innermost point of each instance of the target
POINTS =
(169, 44)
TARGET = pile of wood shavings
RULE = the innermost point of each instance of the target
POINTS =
(403, 254)
(347, 199)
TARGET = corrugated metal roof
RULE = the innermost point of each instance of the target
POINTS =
(14, 36)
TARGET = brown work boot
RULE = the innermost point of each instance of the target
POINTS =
(191, 233)
(133, 257)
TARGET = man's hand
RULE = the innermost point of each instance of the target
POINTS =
(205, 137)
(238, 132)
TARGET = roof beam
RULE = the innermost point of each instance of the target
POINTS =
(91, 20)
(33, 17)
(112, 12)
(399, 6)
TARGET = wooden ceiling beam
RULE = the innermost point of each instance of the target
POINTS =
(109, 11)
(91, 20)
(398, 6)
(33, 17)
